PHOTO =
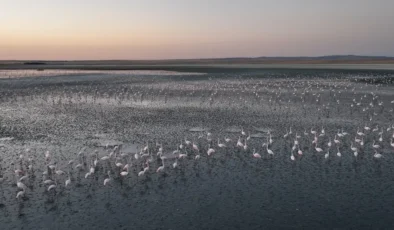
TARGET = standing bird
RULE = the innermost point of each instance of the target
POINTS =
(20, 194)
(329, 144)
(52, 186)
(339, 153)
(239, 143)
(354, 149)
(107, 180)
(292, 156)
(243, 132)
(327, 154)
(336, 140)
(318, 149)
(161, 168)
(195, 147)
(256, 155)
(175, 164)
(270, 152)
(68, 181)
(220, 144)
(375, 146)
(299, 151)
(377, 155)
(210, 150)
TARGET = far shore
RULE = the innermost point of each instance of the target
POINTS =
(208, 65)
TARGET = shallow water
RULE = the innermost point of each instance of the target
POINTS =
(66, 114)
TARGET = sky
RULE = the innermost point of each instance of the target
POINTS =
(177, 29)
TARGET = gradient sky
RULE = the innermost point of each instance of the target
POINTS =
(162, 29)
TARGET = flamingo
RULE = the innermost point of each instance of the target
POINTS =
(17, 171)
(292, 156)
(243, 132)
(68, 181)
(107, 180)
(256, 155)
(47, 156)
(344, 133)
(313, 131)
(20, 194)
(21, 185)
(161, 168)
(329, 144)
(195, 147)
(354, 149)
(359, 132)
(187, 142)
(245, 145)
(210, 150)
(306, 133)
(104, 158)
(336, 141)
(381, 131)
(318, 149)
(327, 154)
(147, 167)
(46, 182)
(375, 146)
(315, 139)
(269, 151)
(299, 151)
(239, 143)
(141, 173)
(175, 164)
(87, 175)
(220, 144)
(377, 155)
(286, 134)
(125, 173)
(181, 145)
(146, 147)
(339, 134)
(52, 187)
(182, 155)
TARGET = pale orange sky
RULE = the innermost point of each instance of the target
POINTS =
(161, 29)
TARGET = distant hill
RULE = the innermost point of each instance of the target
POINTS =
(334, 59)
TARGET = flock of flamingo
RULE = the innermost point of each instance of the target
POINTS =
(113, 162)
(116, 163)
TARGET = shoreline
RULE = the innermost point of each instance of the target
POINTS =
(206, 68)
